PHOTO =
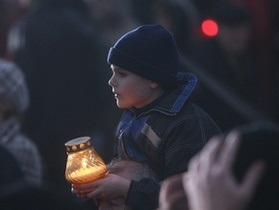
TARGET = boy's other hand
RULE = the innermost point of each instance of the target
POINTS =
(110, 187)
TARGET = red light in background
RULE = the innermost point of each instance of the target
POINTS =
(209, 27)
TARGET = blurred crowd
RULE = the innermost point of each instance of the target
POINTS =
(61, 47)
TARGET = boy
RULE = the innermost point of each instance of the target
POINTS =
(160, 127)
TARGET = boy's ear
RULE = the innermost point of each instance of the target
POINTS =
(153, 84)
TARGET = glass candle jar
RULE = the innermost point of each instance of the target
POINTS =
(83, 164)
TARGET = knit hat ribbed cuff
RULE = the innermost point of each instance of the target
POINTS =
(139, 67)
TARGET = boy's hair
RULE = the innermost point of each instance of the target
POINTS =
(260, 141)
(149, 51)
(13, 89)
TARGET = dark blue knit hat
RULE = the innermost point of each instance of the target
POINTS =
(149, 51)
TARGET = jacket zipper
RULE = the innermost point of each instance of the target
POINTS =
(122, 143)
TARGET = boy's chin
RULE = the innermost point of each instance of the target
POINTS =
(121, 106)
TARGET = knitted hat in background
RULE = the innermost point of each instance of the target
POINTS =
(149, 51)
(13, 89)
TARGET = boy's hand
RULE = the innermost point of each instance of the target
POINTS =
(112, 186)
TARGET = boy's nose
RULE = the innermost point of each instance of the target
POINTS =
(111, 82)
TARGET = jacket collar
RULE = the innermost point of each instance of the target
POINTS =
(175, 100)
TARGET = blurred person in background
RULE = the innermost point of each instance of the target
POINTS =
(180, 17)
(263, 30)
(236, 171)
(14, 101)
(240, 173)
(231, 60)
(112, 19)
(262, 42)
(12, 12)
(11, 171)
(62, 56)
(8, 14)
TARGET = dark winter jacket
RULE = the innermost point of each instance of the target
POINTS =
(165, 137)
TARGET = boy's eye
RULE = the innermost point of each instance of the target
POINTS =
(122, 74)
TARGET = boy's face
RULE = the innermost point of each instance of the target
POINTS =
(131, 90)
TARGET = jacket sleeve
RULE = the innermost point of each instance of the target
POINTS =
(143, 194)
(183, 140)
(186, 139)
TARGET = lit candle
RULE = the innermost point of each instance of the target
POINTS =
(83, 163)
(87, 174)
